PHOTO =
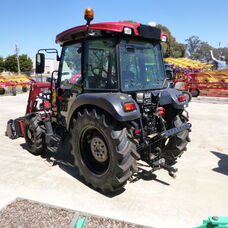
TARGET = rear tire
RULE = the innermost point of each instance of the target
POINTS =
(176, 145)
(102, 152)
(34, 133)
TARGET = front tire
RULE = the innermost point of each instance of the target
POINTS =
(102, 152)
(34, 133)
(176, 145)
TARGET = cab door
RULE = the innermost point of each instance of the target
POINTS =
(70, 77)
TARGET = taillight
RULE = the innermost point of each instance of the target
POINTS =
(160, 111)
(182, 98)
(128, 107)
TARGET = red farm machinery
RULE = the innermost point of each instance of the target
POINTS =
(194, 76)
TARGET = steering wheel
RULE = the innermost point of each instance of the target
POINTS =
(99, 71)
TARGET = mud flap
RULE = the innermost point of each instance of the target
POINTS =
(15, 128)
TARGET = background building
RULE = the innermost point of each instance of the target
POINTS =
(50, 65)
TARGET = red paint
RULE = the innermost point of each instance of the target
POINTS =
(108, 26)
(36, 89)
(21, 123)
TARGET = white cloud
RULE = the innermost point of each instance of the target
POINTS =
(152, 23)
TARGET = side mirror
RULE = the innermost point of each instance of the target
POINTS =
(40, 63)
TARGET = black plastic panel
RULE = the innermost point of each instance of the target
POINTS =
(149, 32)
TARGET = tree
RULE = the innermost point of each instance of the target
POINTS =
(199, 50)
(178, 50)
(172, 48)
(203, 52)
(193, 46)
(25, 63)
(1, 64)
(11, 63)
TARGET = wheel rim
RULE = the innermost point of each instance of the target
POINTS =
(99, 149)
(94, 151)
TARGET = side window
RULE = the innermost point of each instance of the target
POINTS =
(101, 65)
(71, 66)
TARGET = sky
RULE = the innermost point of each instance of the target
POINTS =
(34, 24)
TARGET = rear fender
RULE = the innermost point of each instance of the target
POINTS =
(170, 96)
(109, 102)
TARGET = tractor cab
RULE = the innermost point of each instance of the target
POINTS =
(114, 56)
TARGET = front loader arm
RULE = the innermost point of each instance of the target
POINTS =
(36, 90)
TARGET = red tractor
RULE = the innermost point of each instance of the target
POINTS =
(111, 98)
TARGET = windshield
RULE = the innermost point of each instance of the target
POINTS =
(142, 66)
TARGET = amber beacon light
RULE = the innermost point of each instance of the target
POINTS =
(89, 15)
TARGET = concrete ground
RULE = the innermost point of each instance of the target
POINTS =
(199, 191)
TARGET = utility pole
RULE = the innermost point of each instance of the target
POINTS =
(18, 63)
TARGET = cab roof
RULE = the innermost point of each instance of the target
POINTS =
(100, 29)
